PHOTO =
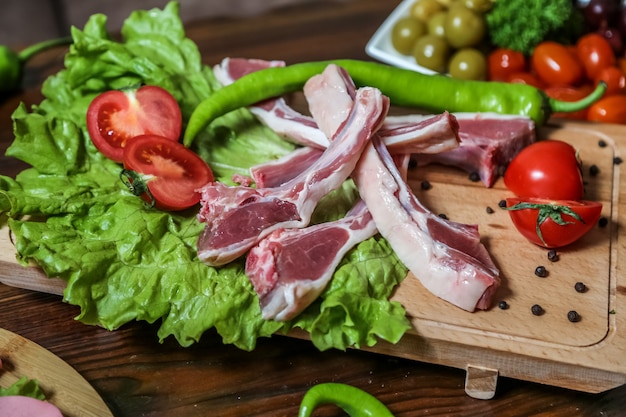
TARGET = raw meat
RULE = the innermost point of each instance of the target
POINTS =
(290, 268)
(238, 217)
(488, 143)
(446, 257)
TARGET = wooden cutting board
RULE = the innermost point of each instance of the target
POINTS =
(588, 355)
(63, 386)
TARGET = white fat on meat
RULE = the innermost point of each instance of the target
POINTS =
(290, 268)
(446, 257)
(239, 217)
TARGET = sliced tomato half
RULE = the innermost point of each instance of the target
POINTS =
(164, 172)
(114, 117)
(553, 223)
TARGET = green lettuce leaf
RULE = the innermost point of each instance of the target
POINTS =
(24, 386)
(123, 261)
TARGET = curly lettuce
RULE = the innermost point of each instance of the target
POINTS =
(122, 261)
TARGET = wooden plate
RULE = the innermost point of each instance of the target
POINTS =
(587, 355)
(63, 386)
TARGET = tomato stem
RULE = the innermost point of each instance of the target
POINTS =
(547, 211)
(136, 185)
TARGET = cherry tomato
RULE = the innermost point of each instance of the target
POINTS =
(546, 169)
(525, 78)
(570, 94)
(609, 109)
(614, 78)
(596, 53)
(116, 116)
(553, 223)
(504, 62)
(556, 65)
(171, 172)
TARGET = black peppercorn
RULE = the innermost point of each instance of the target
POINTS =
(603, 221)
(573, 316)
(580, 287)
(426, 185)
(594, 170)
(602, 143)
(443, 216)
(541, 271)
(552, 255)
(503, 305)
(537, 310)
(489, 210)
(617, 160)
(502, 203)
(474, 177)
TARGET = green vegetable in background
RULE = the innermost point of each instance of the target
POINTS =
(12, 63)
(522, 24)
(403, 87)
(122, 261)
(24, 386)
(352, 400)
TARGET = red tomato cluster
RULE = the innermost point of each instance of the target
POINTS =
(569, 73)
(140, 128)
(548, 208)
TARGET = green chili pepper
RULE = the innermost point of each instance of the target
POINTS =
(352, 400)
(12, 63)
(403, 87)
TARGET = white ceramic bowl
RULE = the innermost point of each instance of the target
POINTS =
(380, 47)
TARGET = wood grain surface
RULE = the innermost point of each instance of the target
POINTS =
(136, 375)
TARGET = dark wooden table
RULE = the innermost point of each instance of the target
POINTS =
(138, 376)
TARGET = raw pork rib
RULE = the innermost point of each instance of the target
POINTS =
(238, 217)
(290, 268)
(446, 257)
(488, 143)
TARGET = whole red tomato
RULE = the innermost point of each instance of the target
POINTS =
(556, 65)
(596, 53)
(504, 62)
(525, 78)
(609, 109)
(116, 116)
(567, 93)
(164, 172)
(553, 223)
(546, 169)
(614, 78)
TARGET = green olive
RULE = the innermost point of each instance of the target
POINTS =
(479, 6)
(431, 51)
(423, 10)
(463, 27)
(437, 24)
(405, 32)
(468, 64)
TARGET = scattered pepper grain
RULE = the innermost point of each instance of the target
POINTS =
(503, 305)
(594, 170)
(573, 316)
(580, 287)
(489, 210)
(537, 310)
(443, 216)
(553, 256)
(474, 177)
(502, 203)
(541, 271)
(617, 160)
(426, 185)
(603, 221)
(602, 143)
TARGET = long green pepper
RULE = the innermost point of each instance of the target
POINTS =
(406, 88)
(352, 400)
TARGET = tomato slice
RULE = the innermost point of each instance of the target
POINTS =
(546, 169)
(114, 117)
(171, 172)
(553, 223)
